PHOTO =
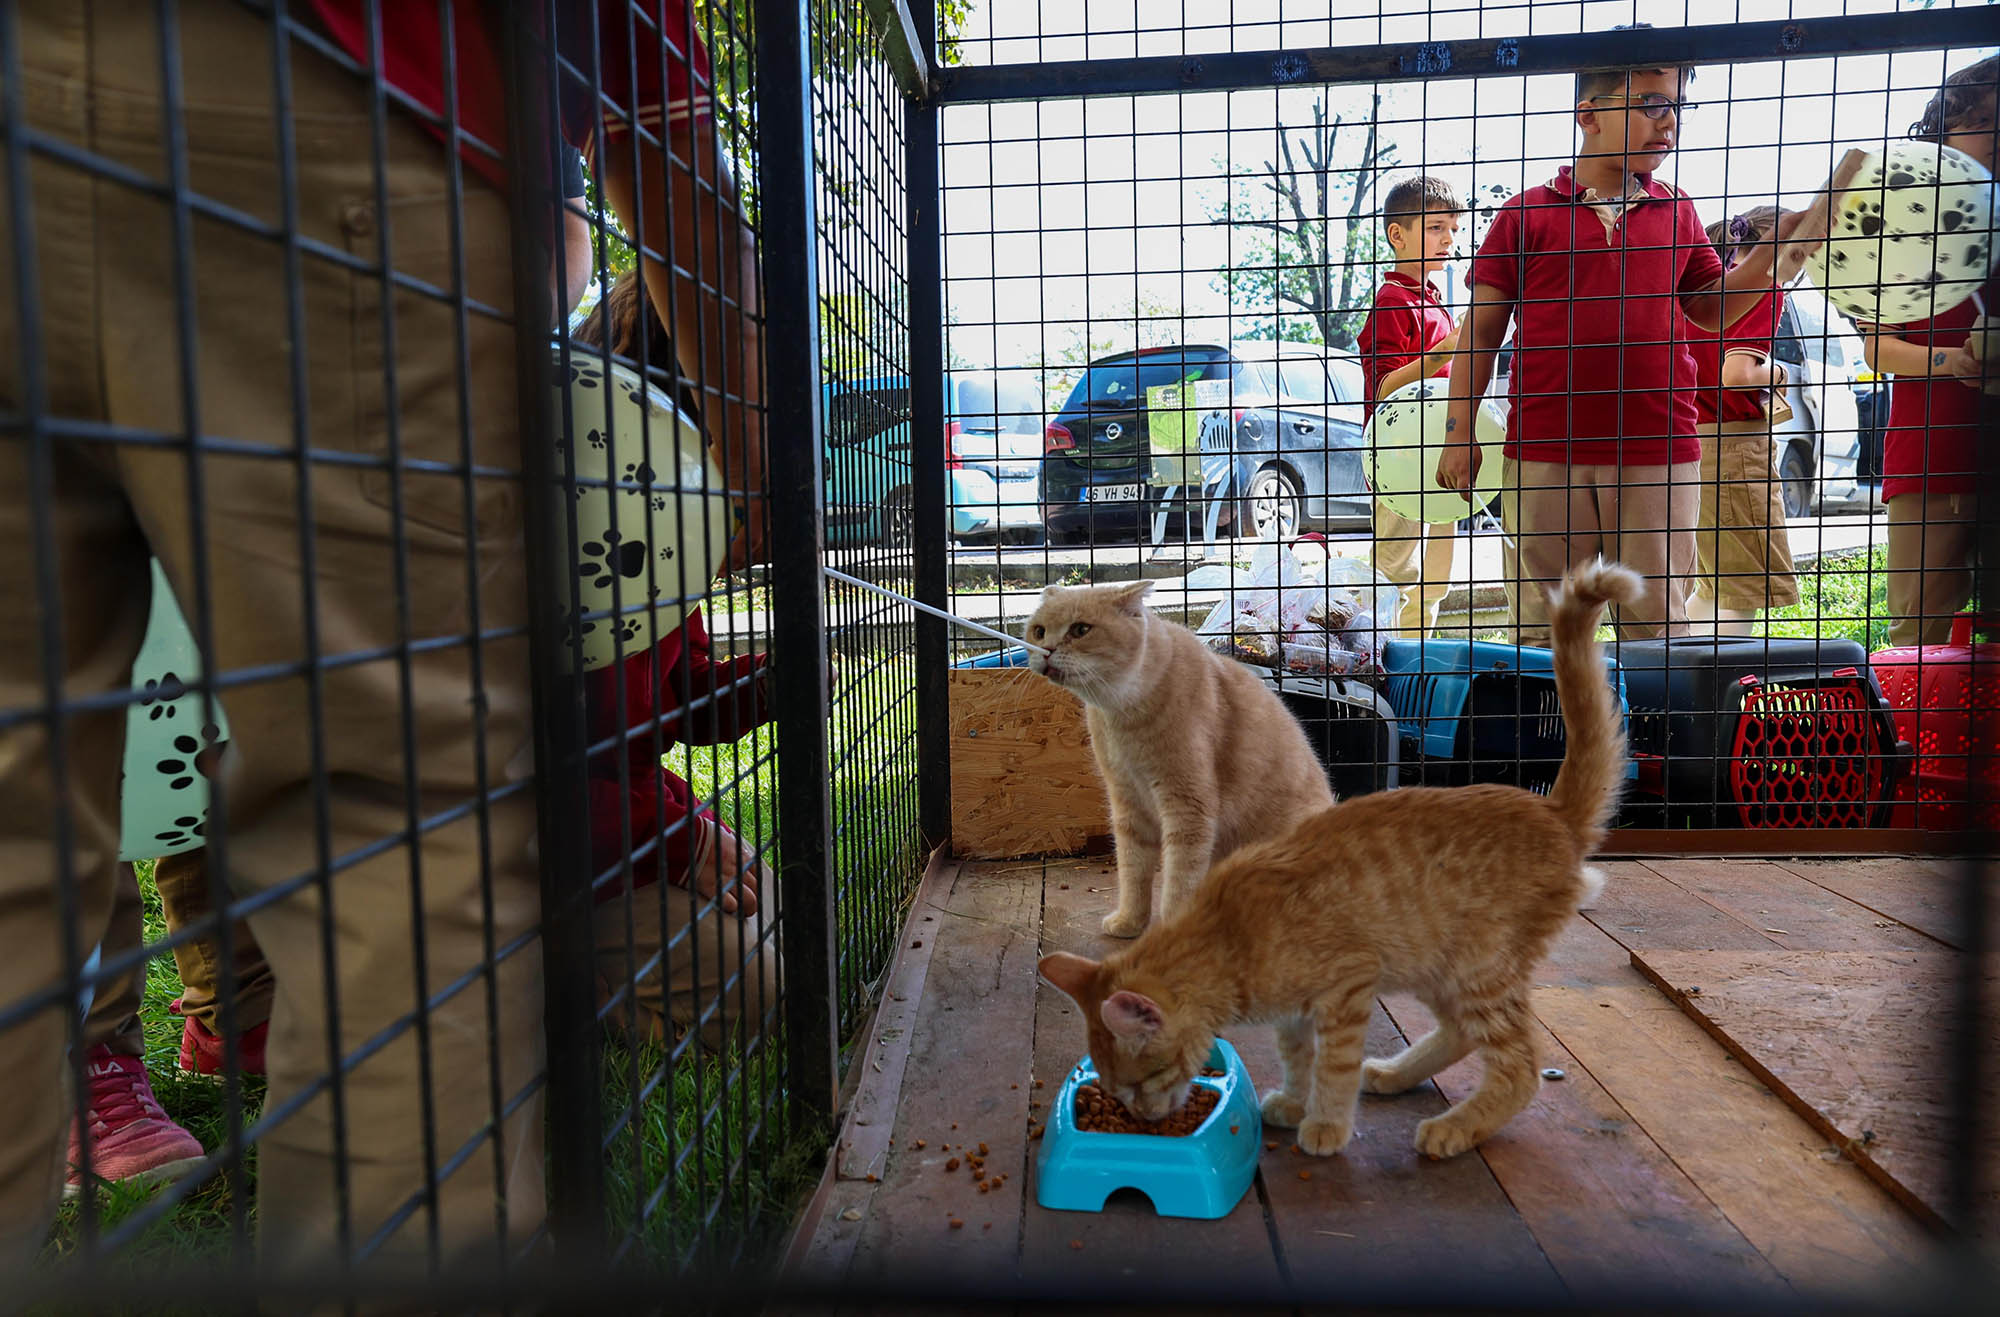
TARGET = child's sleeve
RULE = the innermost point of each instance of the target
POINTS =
(1755, 331)
(721, 702)
(1388, 341)
(1701, 267)
(1498, 262)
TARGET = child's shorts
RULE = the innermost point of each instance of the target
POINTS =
(1743, 556)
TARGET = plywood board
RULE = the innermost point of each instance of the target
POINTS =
(1022, 778)
(1824, 1226)
(1857, 1042)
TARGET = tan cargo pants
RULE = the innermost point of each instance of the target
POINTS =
(1932, 542)
(1418, 557)
(1560, 516)
(104, 347)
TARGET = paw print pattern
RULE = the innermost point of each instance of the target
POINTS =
(596, 439)
(611, 555)
(1912, 235)
(187, 828)
(638, 473)
(160, 694)
(625, 630)
(194, 759)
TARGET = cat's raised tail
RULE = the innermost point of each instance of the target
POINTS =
(1593, 769)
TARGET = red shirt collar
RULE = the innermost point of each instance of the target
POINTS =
(1424, 286)
(1564, 184)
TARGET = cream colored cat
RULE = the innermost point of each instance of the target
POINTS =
(1198, 755)
(1453, 895)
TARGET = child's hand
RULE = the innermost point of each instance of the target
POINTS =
(1458, 467)
(1449, 343)
(1803, 232)
(1960, 363)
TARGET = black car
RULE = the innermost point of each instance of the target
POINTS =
(1278, 450)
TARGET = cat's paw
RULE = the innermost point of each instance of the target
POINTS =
(1382, 1077)
(1323, 1138)
(1119, 923)
(1282, 1109)
(1441, 1137)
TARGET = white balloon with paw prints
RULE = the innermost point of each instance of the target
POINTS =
(1911, 236)
(652, 521)
(169, 743)
(1406, 436)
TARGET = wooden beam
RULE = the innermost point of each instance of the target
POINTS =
(904, 47)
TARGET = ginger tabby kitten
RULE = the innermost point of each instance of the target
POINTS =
(1450, 894)
(1197, 754)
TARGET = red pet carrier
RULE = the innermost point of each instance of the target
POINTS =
(1945, 699)
(1757, 733)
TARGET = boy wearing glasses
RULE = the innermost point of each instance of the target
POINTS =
(1591, 267)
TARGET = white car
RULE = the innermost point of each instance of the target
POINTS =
(1820, 445)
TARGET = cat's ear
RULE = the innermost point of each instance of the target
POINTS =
(1131, 598)
(1073, 974)
(1132, 1015)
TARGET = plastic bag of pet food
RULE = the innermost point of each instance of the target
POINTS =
(1247, 638)
(1282, 589)
(1358, 605)
(1318, 654)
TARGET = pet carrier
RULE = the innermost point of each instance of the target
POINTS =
(1757, 733)
(1944, 698)
(1478, 711)
(1351, 728)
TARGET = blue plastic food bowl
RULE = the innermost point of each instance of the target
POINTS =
(1201, 1175)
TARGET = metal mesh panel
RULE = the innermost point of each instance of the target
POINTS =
(453, 836)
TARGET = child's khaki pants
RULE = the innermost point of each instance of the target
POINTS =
(1561, 516)
(1931, 542)
(106, 350)
(1418, 557)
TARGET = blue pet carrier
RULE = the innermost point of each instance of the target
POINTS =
(1479, 711)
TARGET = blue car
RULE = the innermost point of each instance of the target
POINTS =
(993, 453)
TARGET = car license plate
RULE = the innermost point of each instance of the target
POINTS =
(1111, 493)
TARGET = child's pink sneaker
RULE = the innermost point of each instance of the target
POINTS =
(131, 1138)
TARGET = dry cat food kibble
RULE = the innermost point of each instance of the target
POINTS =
(1100, 1113)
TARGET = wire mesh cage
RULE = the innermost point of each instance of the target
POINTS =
(533, 527)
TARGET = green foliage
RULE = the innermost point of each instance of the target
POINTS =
(1309, 249)
(1841, 597)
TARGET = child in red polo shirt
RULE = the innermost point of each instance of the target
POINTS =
(1930, 459)
(1593, 268)
(1743, 554)
(1409, 336)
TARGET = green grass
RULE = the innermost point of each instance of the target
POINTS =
(712, 1130)
(1841, 597)
(713, 1127)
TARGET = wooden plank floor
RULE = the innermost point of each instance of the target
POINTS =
(1659, 1161)
(1843, 1015)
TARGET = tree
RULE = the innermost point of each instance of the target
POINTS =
(1310, 244)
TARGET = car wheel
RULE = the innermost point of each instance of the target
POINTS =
(1270, 506)
(899, 517)
(1795, 474)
